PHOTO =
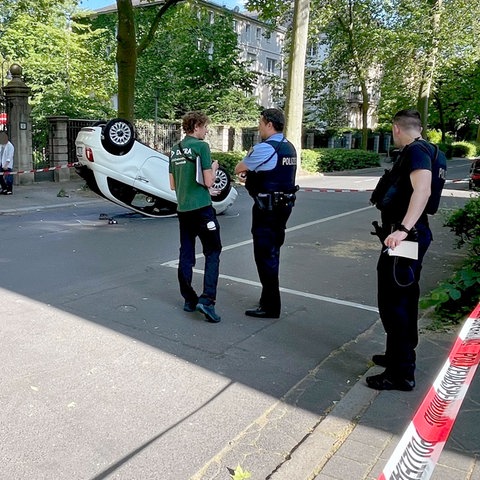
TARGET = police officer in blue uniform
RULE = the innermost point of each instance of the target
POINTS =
(269, 172)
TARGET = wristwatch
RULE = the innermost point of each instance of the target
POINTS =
(403, 228)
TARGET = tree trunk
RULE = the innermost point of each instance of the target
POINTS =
(296, 75)
(430, 67)
(126, 59)
(365, 106)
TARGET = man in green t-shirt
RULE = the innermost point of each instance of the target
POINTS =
(196, 214)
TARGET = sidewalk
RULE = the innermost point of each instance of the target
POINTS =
(358, 436)
(355, 440)
(42, 195)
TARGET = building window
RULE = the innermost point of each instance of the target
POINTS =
(211, 17)
(313, 50)
(268, 37)
(259, 33)
(235, 26)
(247, 32)
(271, 65)
(252, 60)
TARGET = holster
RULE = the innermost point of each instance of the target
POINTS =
(263, 201)
(269, 201)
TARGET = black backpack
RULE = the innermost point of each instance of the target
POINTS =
(439, 173)
(386, 189)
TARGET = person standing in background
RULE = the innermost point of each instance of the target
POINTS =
(7, 151)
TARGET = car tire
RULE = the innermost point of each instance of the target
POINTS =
(118, 136)
(222, 183)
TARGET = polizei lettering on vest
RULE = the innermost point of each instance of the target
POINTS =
(289, 161)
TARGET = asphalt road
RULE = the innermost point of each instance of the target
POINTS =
(105, 376)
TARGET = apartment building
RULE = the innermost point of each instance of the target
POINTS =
(259, 44)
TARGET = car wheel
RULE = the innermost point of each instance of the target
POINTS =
(223, 184)
(118, 136)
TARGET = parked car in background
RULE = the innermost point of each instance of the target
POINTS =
(125, 171)
(474, 177)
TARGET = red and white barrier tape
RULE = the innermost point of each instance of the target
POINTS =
(48, 169)
(334, 190)
(420, 447)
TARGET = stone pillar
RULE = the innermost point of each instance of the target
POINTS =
(223, 131)
(58, 146)
(19, 124)
(376, 143)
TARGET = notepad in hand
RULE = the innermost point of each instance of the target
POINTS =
(406, 249)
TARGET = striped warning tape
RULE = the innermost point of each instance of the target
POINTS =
(48, 169)
(335, 190)
(419, 449)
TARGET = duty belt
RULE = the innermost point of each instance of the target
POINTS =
(269, 201)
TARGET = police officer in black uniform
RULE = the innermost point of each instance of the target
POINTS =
(269, 172)
(411, 190)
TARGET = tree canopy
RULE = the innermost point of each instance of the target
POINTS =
(423, 53)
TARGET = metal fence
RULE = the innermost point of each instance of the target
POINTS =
(73, 127)
(160, 136)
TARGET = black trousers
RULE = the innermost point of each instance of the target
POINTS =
(203, 224)
(6, 181)
(398, 296)
(268, 230)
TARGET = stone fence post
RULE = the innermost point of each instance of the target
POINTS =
(19, 124)
(58, 147)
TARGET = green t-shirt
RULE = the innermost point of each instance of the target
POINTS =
(190, 195)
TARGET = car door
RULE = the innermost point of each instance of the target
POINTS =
(152, 177)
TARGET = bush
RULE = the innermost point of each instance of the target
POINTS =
(434, 136)
(313, 161)
(228, 160)
(446, 148)
(464, 149)
(337, 159)
(457, 296)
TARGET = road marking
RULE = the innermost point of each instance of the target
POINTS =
(174, 264)
(299, 293)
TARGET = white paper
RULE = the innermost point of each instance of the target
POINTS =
(406, 249)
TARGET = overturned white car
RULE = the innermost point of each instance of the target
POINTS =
(125, 171)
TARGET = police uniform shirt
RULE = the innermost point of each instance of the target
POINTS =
(262, 151)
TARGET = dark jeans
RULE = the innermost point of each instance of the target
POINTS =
(6, 181)
(398, 296)
(203, 224)
(268, 230)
